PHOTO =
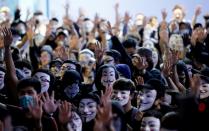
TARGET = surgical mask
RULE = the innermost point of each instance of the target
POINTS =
(26, 100)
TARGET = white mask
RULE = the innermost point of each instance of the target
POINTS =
(88, 109)
(108, 76)
(176, 43)
(147, 99)
(72, 90)
(88, 26)
(204, 89)
(121, 96)
(150, 124)
(44, 79)
(2, 74)
(75, 123)
(27, 72)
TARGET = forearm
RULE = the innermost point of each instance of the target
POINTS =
(37, 125)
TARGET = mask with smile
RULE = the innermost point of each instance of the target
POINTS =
(204, 89)
(121, 96)
(147, 99)
(44, 79)
(75, 123)
(108, 76)
(87, 109)
(150, 124)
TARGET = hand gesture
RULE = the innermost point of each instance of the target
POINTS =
(64, 112)
(164, 35)
(99, 51)
(195, 85)
(194, 37)
(167, 67)
(104, 112)
(116, 6)
(6, 35)
(139, 80)
(35, 109)
(139, 62)
(164, 14)
(127, 17)
(48, 30)
(198, 10)
(49, 104)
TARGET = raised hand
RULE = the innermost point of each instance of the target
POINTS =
(49, 104)
(194, 37)
(104, 112)
(6, 35)
(127, 17)
(167, 67)
(64, 112)
(99, 51)
(195, 85)
(198, 10)
(139, 62)
(164, 14)
(35, 109)
(139, 80)
(116, 6)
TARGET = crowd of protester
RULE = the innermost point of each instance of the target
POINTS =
(137, 74)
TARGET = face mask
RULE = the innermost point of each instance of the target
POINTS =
(121, 97)
(204, 89)
(88, 109)
(75, 123)
(108, 76)
(150, 124)
(44, 79)
(2, 74)
(25, 101)
(72, 90)
(27, 72)
(147, 99)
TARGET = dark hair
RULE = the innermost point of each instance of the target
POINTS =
(91, 95)
(146, 52)
(23, 63)
(130, 43)
(153, 113)
(54, 19)
(70, 77)
(181, 67)
(115, 54)
(171, 121)
(124, 84)
(155, 84)
(55, 62)
(98, 83)
(24, 83)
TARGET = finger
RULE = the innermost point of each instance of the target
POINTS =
(52, 96)
(43, 98)
(47, 95)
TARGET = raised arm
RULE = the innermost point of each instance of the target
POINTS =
(196, 14)
(10, 67)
